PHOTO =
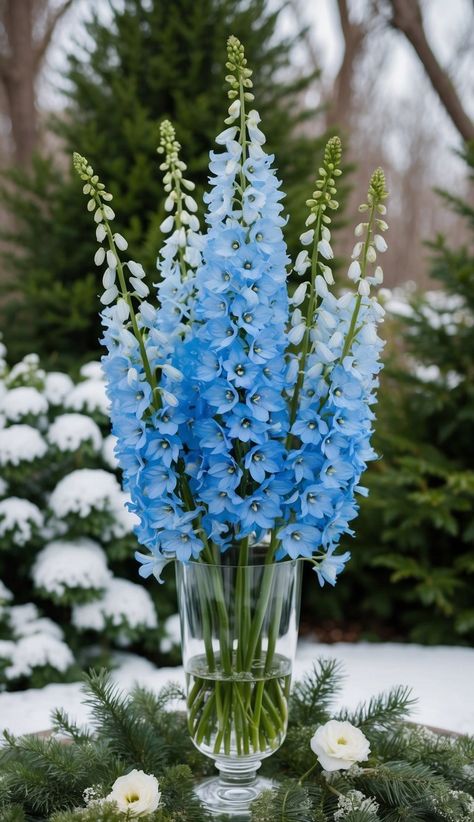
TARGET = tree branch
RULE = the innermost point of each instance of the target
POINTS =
(339, 109)
(52, 20)
(406, 17)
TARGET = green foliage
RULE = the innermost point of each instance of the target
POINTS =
(149, 61)
(412, 774)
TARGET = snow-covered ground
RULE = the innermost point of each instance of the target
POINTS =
(441, 679)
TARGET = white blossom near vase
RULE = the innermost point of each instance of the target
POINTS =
(239, 626)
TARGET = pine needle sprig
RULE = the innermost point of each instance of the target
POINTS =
(123, 728)
(313, 695)
(383, 711)
(398, 784)
(290, 802)
(64, 726)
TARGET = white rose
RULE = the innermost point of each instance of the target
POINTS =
(137, 793)
(338, 745)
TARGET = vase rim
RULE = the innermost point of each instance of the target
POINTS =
(281, 562)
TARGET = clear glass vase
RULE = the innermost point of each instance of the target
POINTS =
(239, 628)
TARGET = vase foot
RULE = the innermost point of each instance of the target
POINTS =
(229, 800)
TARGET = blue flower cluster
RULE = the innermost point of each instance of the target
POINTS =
(238, 350)
(233, 418)
(333, 427)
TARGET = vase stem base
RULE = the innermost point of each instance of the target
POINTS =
(228, 797)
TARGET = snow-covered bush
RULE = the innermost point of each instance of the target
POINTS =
(69, 588)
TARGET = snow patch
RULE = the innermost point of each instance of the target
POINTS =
(172, 636)
(19, 516)
(5, 594)
(36, 651)
(92, 370)
(124, 604)
(84, 490)
(69, 431)
(62, 565)
(89, 396)
(108, 452)
(20, 443)
(20, 402)
(57, 386)
(124, 520)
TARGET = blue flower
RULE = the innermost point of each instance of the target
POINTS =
(330, 566)
(299, 540)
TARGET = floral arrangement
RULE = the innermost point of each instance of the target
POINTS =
(240, 421)
(136, 761)
(237, 415)
(66, 537)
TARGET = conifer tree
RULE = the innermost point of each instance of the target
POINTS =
(151, 60)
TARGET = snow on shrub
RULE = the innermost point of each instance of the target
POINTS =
(124, 606)
(39, 653)
(57, 386)
(69, 431)
(65, 529)
(20, 521)
(84, 491)
(20, 443)
(71, 571)
(108, 452)
(21, 403)
(89, 396)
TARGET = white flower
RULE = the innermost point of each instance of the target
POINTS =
(325, 249)
(99, 256)
(167, 224)
(234, 110)
(120, 242)
(136, 794)
(380, 243)
(307, 237)
(302, 262)
(354, 271)
(300, 294)
(371, 254)
(363, 288)
(338, 745)
(136, 269)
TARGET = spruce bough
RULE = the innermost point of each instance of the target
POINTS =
(412, 773)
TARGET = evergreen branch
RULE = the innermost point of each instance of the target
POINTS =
(383, 711)
(124, 729)
(62, 724)
(314, 694)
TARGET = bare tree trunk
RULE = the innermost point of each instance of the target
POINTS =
(27, 31)
(407, 18)
(19, 77)
(340, 104)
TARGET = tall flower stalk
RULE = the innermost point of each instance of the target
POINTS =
(239, 418)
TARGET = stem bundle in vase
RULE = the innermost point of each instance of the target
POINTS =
(242, 414)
